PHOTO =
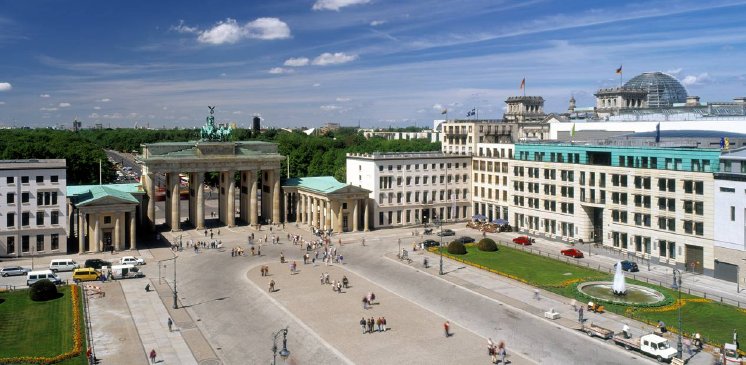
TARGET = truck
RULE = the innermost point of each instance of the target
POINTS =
(125, 272)
(651, 345)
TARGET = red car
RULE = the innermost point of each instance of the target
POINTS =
(523, 240)
(573, 252)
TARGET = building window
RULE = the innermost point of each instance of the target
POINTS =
(39, 242)
(9, 180)
(55, 217)
(732, 213)
(11, 198)
(39, 218)
(11, 244)
(55, 241)
(107, 219)
(25, 218)
(54, 178)
(25, 246)
(10, 220)
(24, 179)
(25, 198)
(39, 179)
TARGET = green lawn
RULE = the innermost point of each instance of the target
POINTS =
(29, 328)
(713, 320)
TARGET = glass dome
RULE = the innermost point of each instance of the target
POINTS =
(663, 89)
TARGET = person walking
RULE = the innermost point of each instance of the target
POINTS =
(170, 324)
(378, 324)
(362, 324)
(271, 286)
(383, 322)
(370, 325)
(536, 294)
(580, 315)
(447, 327)
(152, 356)
(502, 352)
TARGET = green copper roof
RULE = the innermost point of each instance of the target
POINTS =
(86, 194)
(322, 184)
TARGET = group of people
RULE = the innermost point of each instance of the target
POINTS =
(236, 251)
(368, 300)
(496, 351)
(373, 325)
(211, 233)
(205, 244)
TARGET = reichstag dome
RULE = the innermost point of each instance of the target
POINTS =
(663, 89)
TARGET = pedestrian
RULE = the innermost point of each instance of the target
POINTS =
(339, 287)
(371, 323)
(152, 356)
(365, 302)
(383, 322)
(447, 327)
(170, 324)
(271, 286)
(492, 350)
(536, 294)
(502, 352)
(574, 305)
(321, 278)
(688, 346)
(362, 324)
(580, 315)
(378, 324)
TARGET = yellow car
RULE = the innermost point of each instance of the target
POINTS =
(85, 274)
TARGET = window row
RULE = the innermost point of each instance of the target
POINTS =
(408, 167)
(54, 218)
(10, 180)
(25, 243)
(427, 196)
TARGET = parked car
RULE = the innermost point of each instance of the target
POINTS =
(13, 271)
(34, 276)
(63, 265)
(572, 252)
(85, 274)
(429, 243)
(630, 266)
(447, 232)
(464, 239)
(523, 240)
(96, 263)
(131, 260)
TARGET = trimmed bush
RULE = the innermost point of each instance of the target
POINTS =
(43, 290)
(487, 244)
(456, 248)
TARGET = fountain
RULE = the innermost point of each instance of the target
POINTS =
(619, 292)
(619, 287)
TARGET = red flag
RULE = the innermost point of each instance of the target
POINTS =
(619, 70)
(523, 84)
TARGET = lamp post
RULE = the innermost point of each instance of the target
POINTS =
(176, 305)
(676, 285)
(440, 223)
(284, 353)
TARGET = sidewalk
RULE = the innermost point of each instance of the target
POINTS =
(114, 334)
(521, 296)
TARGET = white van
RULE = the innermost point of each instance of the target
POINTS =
(63, 265)
(35, 276)
(125, 271)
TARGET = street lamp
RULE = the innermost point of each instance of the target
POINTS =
(676, 285)
(284, 353)
(176, 305)
(440, 223)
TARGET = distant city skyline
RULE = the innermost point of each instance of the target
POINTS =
(373, 63)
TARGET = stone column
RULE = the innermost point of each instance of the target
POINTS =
(117, 233)
(366, 216)
(340, 216)
(286, 199)
(96, 236)
(354, 216)
(276, 196)
(299, 208)
(82, 231)
(313, 212)
(230, 217)
(175, 219)
(199, 214)
(252, 199)
(150, 191)
(133, 232)
(328, 214)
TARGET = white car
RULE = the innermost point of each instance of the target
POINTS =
(131, 260)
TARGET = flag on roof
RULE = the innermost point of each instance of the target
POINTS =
(445, 111)
(619, 70)
(523, 84)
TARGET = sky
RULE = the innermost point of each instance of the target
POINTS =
(374, 63)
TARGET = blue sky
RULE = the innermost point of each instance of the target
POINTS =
(374, 62)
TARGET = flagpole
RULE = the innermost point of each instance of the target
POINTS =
(524, 86)
(477, 115)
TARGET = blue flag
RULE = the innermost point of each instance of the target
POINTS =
(658, 132)
(722, 142)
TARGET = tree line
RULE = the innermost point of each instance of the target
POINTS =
(314, 155)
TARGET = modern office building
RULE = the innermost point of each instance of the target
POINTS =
(648, 201)
(730, 210)
(33, 208)
(491, 180)
(413, 187)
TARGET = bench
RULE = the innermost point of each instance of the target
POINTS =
(551, 314)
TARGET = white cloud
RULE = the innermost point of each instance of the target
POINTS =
(336, 4)
(105, 100)
(675, 72)
(296, 62)
(182, 28)
(376, 23)
(5, 86)
(701, 79)
(316, 84)
(438, 107)
(96, 108)
(343, 100)
(44, 109)
(229, 31)
(44, 95)
(337, 58)
(280, 70)
(64, 105)
(237, 112)
(2, 103)
(330, 107)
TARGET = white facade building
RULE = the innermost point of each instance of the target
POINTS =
(33, 208)
(413, 187)
(491, 180)
(730, 225)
